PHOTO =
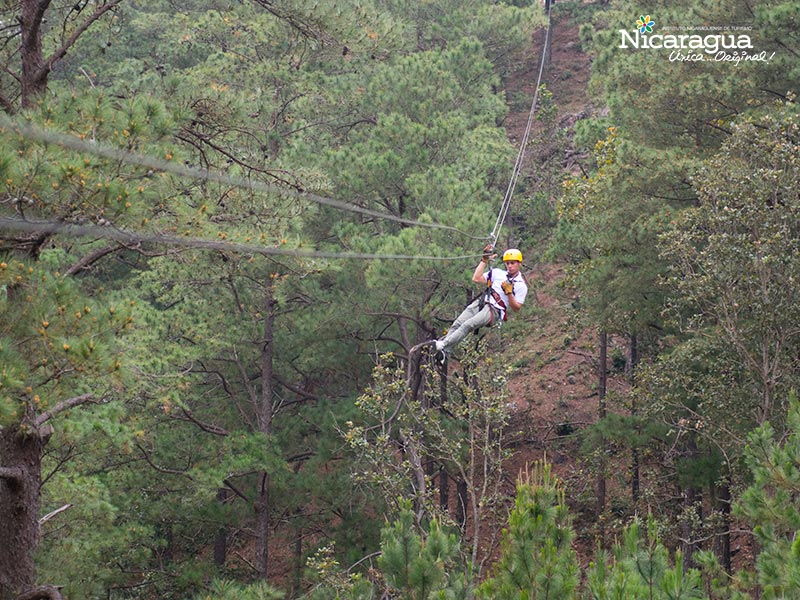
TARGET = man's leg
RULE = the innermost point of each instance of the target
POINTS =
(470, 319)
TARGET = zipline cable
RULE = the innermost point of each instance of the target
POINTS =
(501, 217)
(111, 233)
(99, 149)
(131, 238)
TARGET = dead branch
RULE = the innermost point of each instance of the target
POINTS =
(49, 516)
(159, 468)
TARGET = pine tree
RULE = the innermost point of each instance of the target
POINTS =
(537, 560)
(641, 570)
(769, 503)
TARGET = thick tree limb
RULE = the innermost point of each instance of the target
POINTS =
(86, 261)
(235, 490)
(65, 405)
(297, 390)
(11, 473)
(41, 592)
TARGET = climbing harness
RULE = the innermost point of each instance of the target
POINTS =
(490, 292)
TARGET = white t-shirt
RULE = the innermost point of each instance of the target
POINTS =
(498, 277)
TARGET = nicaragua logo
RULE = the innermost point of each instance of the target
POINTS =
(694, 47)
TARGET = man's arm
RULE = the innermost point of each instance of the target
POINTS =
(478, 276)
(513, 302)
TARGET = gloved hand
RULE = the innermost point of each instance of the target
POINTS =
(508, 287)
(488, 253)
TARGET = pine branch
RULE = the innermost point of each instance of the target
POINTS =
(63, 406)
(208, 428)
(86, 261)
(159, 468)
(6, 104)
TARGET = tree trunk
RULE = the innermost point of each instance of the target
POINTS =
(35, 71)
(722, 541)
(299, 563)
(602, 378)
(444, 489)
(261, 505)
(20, 483)
(444, 480)
(34, 80)
(632, 364)
(261, 508)
(691, 502)
(221, 539)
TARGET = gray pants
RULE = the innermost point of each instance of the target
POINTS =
(470, 319)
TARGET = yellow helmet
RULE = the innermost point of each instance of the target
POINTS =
(512, 254)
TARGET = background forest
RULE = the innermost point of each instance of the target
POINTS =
(224, 225)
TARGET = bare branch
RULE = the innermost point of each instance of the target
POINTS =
(235, 490)
(62, 51)
(161, 469)
(208, 428)
(6, 104)
(49, 516)
(305, 28)
(297, 390)
(65, 405)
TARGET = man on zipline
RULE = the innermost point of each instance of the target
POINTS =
(504, 290)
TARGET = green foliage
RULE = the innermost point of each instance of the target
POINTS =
(607, 230)
(734, 256)
(464, 433)
(84, 548)
(770, 504)
(422, 569)
(58, 341)
(537, 559)
(641, 569)
(223, 589)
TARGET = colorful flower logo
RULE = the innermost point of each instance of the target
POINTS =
(645, 24)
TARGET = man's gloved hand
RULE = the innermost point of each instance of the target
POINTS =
(508, 287)
(488, 253)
